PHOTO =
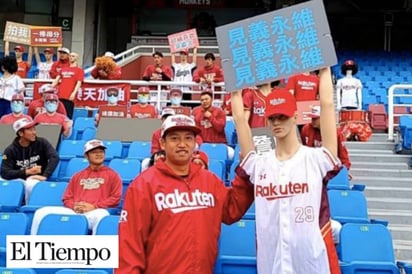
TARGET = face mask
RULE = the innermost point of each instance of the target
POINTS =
(16, 106)
(175, 100)
(51, 107)
(112, 100)
(143, 99)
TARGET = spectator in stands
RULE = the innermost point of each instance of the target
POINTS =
(90, 191)
(105, 68)
(112, 109)
(44, 67)
(62, 62)
(304, 86)
(211, 120)
(17, 109)
(10, 83)
(210, 73)
(37, 106)
(158, 71)
(29, 157)
(69, 81)
(200, 158)
(175, 97)
(173, 211)
(52, 117)
(183, 71)
(349, 88)
(254, 103)
(143, 109)
(303, 213)
(23, 67)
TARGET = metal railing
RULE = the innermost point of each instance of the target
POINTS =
(392, 105)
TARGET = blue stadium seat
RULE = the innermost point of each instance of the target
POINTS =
(340, 181)
(232, 170)
(108, 225)
(348, 206)
(139, 150)
(366, 248)
(74, 166)
(11, 223)
(63, 224)
(218, 167)
(89, 133)
(81, 271)
(237, 248)
(215, 151)
(11, 195)
(229, 132)
(5, 270)
(80, 112)
(80, 124)
(67, 150)
(250, 213)
(128, 169)
(113, 149)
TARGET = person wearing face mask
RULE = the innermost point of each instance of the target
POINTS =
(37, 106)
(52, 117)
(175, 97)
(10, 83)
(17, 107)
(143, 109)
(113, 109)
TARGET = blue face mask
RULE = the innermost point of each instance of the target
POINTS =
(16, 106)
(143, 99)
(175, 100)
(50, 107)
(112, 100)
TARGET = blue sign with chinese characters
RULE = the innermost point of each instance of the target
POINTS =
(275, 45)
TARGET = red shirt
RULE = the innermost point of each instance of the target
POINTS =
(172, 228)
(306, 87)
(254, 101)
(311, 137)
(55, 119)
(101, 187)
(22, 69)
(57, 66)
(213, 127)
(156, 141)
(10, 118)
(148, 111)
(150, 71)
(37, 107)
(213, 73)
(69, 78)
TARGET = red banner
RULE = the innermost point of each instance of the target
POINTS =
(93, 95)
(46, 36)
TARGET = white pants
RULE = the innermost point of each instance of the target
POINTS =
(336, 227)
(93, 217)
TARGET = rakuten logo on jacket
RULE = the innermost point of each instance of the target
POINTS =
(274, 191)
(184, 201)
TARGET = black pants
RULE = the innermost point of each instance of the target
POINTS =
(69, 106)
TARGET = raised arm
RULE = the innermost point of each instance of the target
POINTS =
(37, 55)
(242, 127)
(194, 59)
(327, 114)
(30, 56)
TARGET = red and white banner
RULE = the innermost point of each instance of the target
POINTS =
(33, 35)
(305, 108)
(183, 40)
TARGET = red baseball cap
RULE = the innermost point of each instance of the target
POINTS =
(175, 90)
(50, 50)
(17, 97)
(19, 48)
(315, 112)
(202, 156)
(185, 52)
(143, 90)
(280, 102)
(51, 97)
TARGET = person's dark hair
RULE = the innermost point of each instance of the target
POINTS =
(9, 64)
(157, 53)
(210, 56)
(154, 155)
(207, 92)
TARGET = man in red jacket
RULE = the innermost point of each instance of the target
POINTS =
(63, 62)
(311, 137)
(210, 73)
(90, 191)
(172, 213)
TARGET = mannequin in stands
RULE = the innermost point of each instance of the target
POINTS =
(349, 88)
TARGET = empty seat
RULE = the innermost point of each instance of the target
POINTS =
(340, 181)
(80, 112)
(109, 225)
(5, 270)
(366, 248)
(113, 149)
(230, 132)
(67, 150)
(75, 165)
(218, 167)
(11, 195)
(89, 133)
(63, 224)
(80, 124)
(378, 116)
(139, 150)
(348, 206)
(215, 151)
(127, 169)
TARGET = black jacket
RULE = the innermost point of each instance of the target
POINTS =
(16, 159)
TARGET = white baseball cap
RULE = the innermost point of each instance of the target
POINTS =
(315, 112)
(65, 50)
(109, 54)
(168, 111)
(47, 88)
(179, 121)
(26, 122)
(92, 144)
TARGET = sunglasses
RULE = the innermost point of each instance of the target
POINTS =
(112, 95)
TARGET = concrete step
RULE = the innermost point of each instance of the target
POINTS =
(388, 203)
(389, 191)
(399, 231)
(370, 145)
(393, 216)
(372, 165)
(378, 137)
(384, 172)
(403, 250)
(382, 181)
(376, 157)
(371, 151)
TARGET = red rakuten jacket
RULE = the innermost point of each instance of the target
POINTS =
(171, 224)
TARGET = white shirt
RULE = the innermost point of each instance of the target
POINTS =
(44, 70)
(349, 92)
(287, 198)
(183, 73)
(10, 86)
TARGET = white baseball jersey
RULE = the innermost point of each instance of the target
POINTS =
(287, 198)
(10, 86)
(349, 92)
(183, 73)
(44, 70)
